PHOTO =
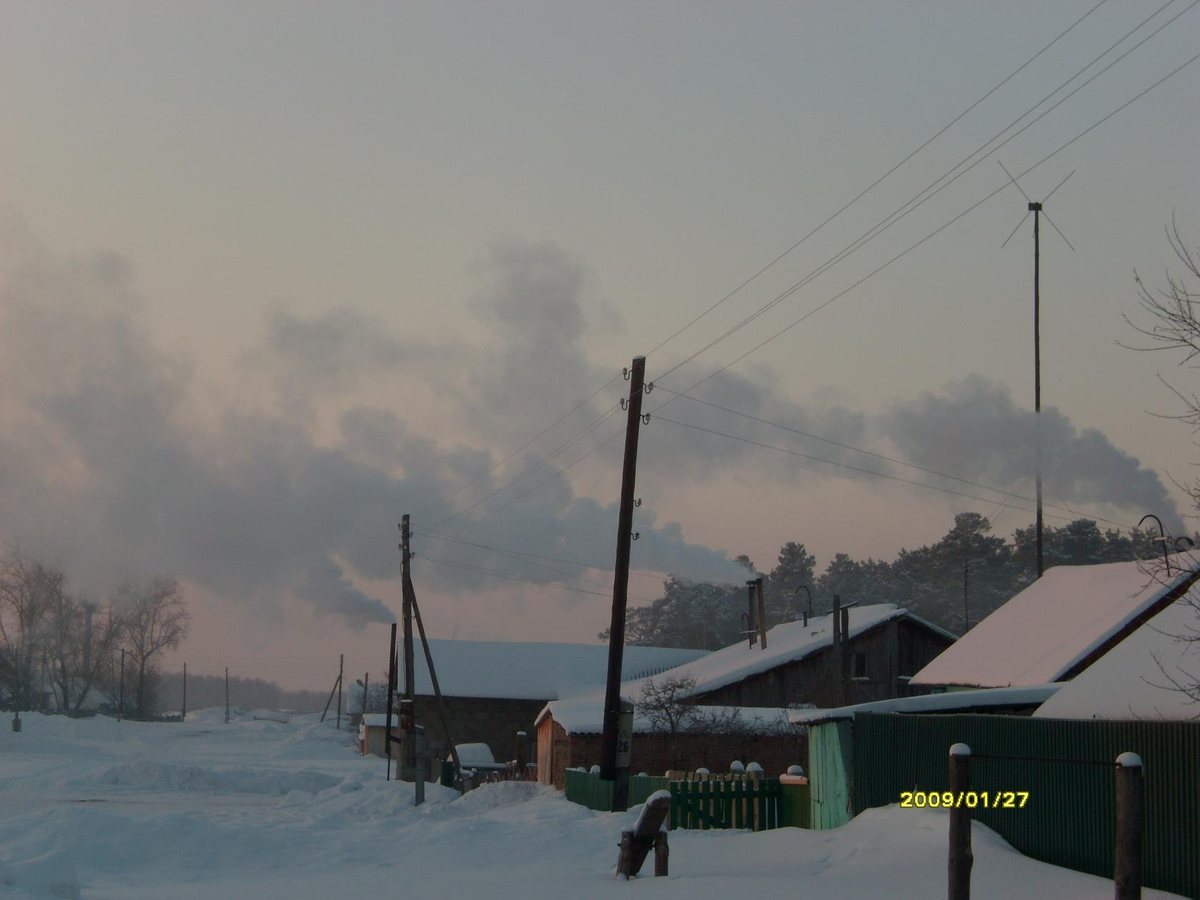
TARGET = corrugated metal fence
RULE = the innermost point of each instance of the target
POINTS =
(1067, 768)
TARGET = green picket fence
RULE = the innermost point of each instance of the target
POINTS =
(710, 803)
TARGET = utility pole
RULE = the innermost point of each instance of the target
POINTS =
(391, 691)
(227, 695)
(1036, 208)
(183, 714)
(366, 682)
(341, 667)
(966, 589)
(751, 629)
(410, 732)
(121, 695)
(762, 611)
(616, 632)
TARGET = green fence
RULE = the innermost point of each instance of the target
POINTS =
(1067, 768)
(705, 804)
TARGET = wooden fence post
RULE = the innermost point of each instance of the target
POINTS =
(961, 858)
(1127, 869)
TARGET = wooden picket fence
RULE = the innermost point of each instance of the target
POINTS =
(724, 801)
(705, 801)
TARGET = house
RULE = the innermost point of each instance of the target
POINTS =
(1060, 625)
(869, 654)
(569, 736)
(493, 689)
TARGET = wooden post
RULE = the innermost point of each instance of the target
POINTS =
(391, 690)
(751, 629)
(226, 691)
(662, 853)
(961, 859)
(341, 668)
(183, 714)
(1127, 870)
(121, 694)
(762, 612)
(616, 630)
(409, 745)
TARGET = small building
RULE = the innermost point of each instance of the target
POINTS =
(812, 662)
(371, 734)
(569, 736)
(1060, 625)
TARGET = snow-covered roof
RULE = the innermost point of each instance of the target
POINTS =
(1044, 632)
(1133, 680)
(953, 701)
(534, 671)
(585, 715)
(786, 643)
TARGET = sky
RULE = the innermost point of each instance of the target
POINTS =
(274, 274)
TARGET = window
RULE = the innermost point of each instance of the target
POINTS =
(860, 665)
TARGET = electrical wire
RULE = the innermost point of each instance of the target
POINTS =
(936, 231)
(885, 458)
(510, 577)
(438, 536)
(848, 466)
(880, 179)
(933, 189)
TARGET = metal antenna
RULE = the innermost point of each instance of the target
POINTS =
(1036, 208)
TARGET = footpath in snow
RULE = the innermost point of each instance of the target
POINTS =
(97, 810)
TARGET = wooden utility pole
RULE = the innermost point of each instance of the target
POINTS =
(762, 611)
(616, 631)
(366, 680)
(121, 700)
(751, 629)
(183, 714)
(391, 691)
(226, 686)
(410, 733)
(966, 589)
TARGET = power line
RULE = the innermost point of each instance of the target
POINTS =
(510, 577)
(932, 189)
(840, 465)
(533, 439)
(881, 178)
(936, 231)
(781, 256)
(595, 423)
(438, 536)
(881, 456)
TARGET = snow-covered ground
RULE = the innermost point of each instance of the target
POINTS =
(96, 809)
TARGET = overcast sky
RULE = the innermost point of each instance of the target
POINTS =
(274, 274)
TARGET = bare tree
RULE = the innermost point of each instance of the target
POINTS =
(1171, 322)
(154, 619)
(27, 591)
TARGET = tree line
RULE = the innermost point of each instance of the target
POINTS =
(248, 693)
(58, 648)
(928, 581)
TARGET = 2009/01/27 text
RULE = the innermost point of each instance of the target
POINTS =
(969, 799)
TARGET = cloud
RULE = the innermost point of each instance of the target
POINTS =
(975, 431)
